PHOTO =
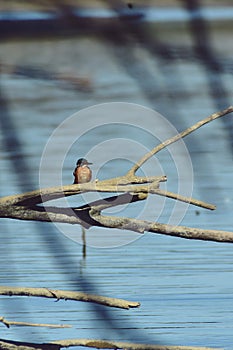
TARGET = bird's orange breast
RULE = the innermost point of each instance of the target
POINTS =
(82, 175)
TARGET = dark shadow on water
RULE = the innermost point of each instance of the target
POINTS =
(13, 147)
(210, 62)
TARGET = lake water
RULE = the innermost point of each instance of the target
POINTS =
(184, 287)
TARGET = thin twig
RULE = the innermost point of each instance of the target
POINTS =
(177, 137)
(189, 200)
(8, 323)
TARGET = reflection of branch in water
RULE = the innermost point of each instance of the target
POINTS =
(84, 250)
(71, 79)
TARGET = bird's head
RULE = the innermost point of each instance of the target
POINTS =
(82, 162)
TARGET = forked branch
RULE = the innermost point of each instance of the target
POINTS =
(133, 188)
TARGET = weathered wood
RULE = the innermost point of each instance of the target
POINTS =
(25, 206)
(9, 323)
(110, 185)
(93, 343)
(142, 226)
(177, 137)
(68, 295)
(108, 344)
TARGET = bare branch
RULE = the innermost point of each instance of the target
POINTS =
(8, 323)
(110, 185)
(25, 206)
(16, 345)
(189, 200)
(94, 343)
(68, 295)
(142, 226)
(177, 137)
(79, 215)
(108, 344)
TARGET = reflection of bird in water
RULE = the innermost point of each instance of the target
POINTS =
(82, 173)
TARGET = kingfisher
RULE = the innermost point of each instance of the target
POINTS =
(82, 173)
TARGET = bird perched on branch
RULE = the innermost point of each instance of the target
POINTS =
(82, 173)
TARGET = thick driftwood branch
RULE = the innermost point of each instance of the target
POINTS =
(25, 206)
(68, 295)
(93, 343)
(79, 215)
(106, 344)
(8, 323)
(51, 193)
(142, 226)
(10, 345)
